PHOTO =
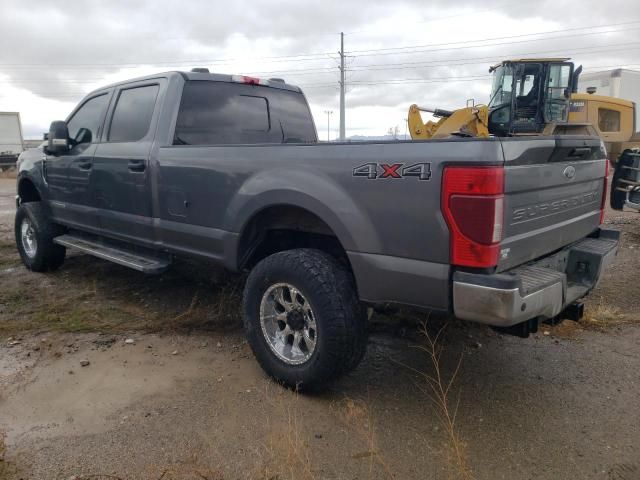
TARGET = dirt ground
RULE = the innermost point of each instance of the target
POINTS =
(171, 390)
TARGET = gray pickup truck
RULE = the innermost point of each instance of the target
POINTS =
(502, 231)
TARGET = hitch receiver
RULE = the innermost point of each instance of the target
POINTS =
(573, 312)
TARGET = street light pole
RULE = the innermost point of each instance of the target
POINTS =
(328, 112)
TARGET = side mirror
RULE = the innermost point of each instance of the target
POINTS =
(58, 138)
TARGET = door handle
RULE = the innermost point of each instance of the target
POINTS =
(579, 152)
(137, 165)
(84, 165)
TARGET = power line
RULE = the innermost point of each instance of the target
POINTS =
(446, 62)
(317, 56)
(501, 44)
(373, 67)
(464, 42)
(297, 58)
(443, 79)
(397, 66)
(327, 70)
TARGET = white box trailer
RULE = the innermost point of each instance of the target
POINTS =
(618, 83)
(11, 142)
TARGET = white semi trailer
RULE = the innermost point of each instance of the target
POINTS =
(11, 142)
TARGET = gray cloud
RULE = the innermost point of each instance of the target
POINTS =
(58, 51)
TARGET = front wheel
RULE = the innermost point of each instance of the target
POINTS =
(303, 319)
(34, 234)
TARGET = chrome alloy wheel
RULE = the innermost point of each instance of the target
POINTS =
(28, 236)
(288, 323)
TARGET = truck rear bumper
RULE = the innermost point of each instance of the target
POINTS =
(540, 289)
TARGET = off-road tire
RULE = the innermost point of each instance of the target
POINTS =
(340, 317)
(48, 255)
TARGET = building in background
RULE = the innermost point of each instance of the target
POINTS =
(618, 83)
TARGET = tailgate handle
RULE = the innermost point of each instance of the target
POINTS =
(579, 152)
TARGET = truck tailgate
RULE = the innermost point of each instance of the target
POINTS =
(553, 195)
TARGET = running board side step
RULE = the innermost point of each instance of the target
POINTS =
(142, 262)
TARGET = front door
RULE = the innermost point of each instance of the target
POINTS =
(120, 184)
(67, 174)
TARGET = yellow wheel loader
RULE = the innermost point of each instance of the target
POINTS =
(535, 96)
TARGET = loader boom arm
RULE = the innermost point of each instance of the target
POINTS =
(466, 122)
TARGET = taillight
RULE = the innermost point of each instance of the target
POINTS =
(605, 190)
(473, 206)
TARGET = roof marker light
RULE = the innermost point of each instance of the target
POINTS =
(249, 80)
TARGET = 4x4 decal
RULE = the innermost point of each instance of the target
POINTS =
(373, 171)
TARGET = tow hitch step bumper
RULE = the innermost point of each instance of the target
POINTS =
(142, 262)
(540, 290)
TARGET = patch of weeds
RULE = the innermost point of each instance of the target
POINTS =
(8, 255)
(602, 315)
(14, 298)
(286, 454)
(79, 316)
(438, 388)
(178, 471)
(33, 308)
(7, 469)
(217, 309)
(357, 415)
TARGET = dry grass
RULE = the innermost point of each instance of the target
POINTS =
(91, 295)
(7, 469)
(286, 453)
(180, 471)
(602, 315)
(357, 415)
(438, 389)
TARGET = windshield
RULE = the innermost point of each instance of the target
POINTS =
(501, 87)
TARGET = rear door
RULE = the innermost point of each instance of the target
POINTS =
(120, 177)
(553, 194)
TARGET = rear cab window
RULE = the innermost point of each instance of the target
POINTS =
(220, 113)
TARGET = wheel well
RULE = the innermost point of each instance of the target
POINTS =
(28, 192)
(285, 227)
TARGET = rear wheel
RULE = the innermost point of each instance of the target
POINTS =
(34, 234)
(303, 319)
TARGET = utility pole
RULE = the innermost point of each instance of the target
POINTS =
(328, 112)
(342, 126)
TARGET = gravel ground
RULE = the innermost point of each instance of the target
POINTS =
(186, 399)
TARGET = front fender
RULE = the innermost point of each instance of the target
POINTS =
(308, 189)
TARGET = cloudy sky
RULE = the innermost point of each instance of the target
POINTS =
(398, 53)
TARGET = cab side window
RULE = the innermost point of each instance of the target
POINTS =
(608, 120)
(86, 121)
(132, 115)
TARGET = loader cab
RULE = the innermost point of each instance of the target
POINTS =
(528, 94)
